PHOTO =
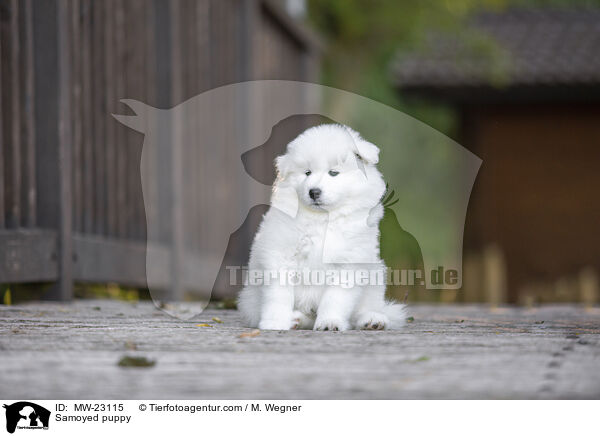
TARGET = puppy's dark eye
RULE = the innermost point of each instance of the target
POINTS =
(308, 173)
(333, 173)
(358, 156)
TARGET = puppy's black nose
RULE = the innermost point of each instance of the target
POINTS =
(314, 193)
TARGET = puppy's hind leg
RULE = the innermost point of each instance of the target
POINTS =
(248, 303)
(374, 313)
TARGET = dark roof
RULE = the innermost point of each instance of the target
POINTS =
(516, 48)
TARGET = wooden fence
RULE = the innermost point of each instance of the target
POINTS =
(71, 205)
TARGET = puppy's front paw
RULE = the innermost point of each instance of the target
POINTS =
(333, 324)
(372, 321)
(300, 321)
(283, 323)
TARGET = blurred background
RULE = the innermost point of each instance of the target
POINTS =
(515, 82)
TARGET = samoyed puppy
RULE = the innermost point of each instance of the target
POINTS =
(314, 262)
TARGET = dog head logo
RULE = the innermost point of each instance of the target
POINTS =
(26, 415)
(207, 169)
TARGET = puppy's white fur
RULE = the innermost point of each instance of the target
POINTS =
(338, 231)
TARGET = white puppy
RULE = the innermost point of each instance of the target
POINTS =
(315, 259)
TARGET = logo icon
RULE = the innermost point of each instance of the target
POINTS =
(26, 415)
(201, 198)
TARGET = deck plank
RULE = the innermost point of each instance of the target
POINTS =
(70, 351)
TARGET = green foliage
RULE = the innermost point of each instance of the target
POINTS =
(362, 37)
(111, 290)
(7, 299)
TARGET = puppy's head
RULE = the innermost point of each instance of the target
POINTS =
(332, 167)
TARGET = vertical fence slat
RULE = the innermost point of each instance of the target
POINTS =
(120, 147)
(29, 121)
(87, 108)
(149, 187)
(202, 48)
(109, 144)
(14, 148)
(65, 230)
(177, 242)
(2, 150)
(75, 60)
(138, 50)
(191, 159)
(99, 96)
(162, 25)
(133, 80)
(245, 114)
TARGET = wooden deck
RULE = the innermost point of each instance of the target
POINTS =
(71, 351)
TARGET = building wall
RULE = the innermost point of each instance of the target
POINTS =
(536, 196)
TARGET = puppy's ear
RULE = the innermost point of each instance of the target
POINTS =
(367, 152)
(364, 150)
(283, 164)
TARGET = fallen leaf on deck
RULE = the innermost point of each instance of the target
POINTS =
(203, 325)
(217, 319)
(138, 362)
(251, 334)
